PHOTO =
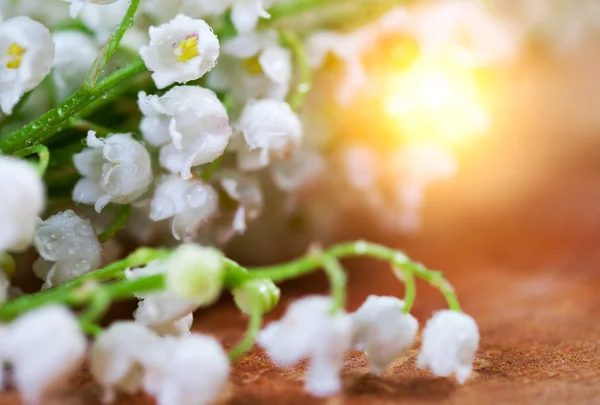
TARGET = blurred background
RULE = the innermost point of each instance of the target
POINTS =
(442, 113)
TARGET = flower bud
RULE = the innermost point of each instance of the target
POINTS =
(267, 292)
(195, 273)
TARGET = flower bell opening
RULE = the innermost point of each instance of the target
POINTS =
(187, 49)
(15, 54)
(252, 65)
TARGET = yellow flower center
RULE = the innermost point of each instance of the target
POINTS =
(252, 65)
(187, 49)
(15, 55)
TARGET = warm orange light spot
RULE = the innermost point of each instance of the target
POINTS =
(436, 101)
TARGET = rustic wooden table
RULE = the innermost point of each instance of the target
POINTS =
(531, 278)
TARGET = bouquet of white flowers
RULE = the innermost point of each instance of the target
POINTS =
(186, 110)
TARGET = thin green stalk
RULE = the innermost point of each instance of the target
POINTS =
(254, 325)
(54, 120)
(410, 287)
(305, 74)
(122, 214)
(97, 306)
(308, 264)
(42, 152)
(337, 280)
(69, 293)
(111, 45)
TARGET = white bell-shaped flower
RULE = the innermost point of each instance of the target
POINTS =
(270, 129)
(195, 371)
(383, 331)
(68, 241)
(449, 343)
(178, 327)
(26, 53)
(119, 355)
(300, 168)
(116, 169)
(181, 50)
(22, 202)
(164, 310)
(245, 191)
(246, 13)
(308, 328)
(253, 65)
(189, 123)
(44, 347)
(77, 5)
(70, 68)
(195, 273)
(189, 202)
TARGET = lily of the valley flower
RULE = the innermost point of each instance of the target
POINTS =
(119, 355)
(21, 204)
(383, 331)
(246, 13)
(189, 123)
(26, 53)
(247, 194)
(450, 341)
(116, 169)
(70, 68)
(308, 328)
(77, 5)
(186, 370)
(194, 372)
(195, 273)
(164, 311)
(181, 50)
(253, 65)
(43, 347)
(189, 202)
(71, 243)
(270, 129)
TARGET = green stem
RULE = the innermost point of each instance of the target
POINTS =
(97, 306)
(122, 215)
(305, 77)
(58, 118)
(337, 280)
(111, 46)
(254, 325)
(410, 287)
(42, 152)
(311, 263)
(69, 293)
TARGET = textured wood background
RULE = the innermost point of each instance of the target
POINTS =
(530, 275)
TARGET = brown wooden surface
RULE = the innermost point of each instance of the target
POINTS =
(529, 275)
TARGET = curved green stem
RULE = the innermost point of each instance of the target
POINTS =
(42, 152)
(59, 118)
(337, 280)
(76, 291)
(410, 287)
(254, 325)
(305, 76)
(122, 215)
(310, 263)
(111, 46)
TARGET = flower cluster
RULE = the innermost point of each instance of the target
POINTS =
(196, 118)
(379, 327)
